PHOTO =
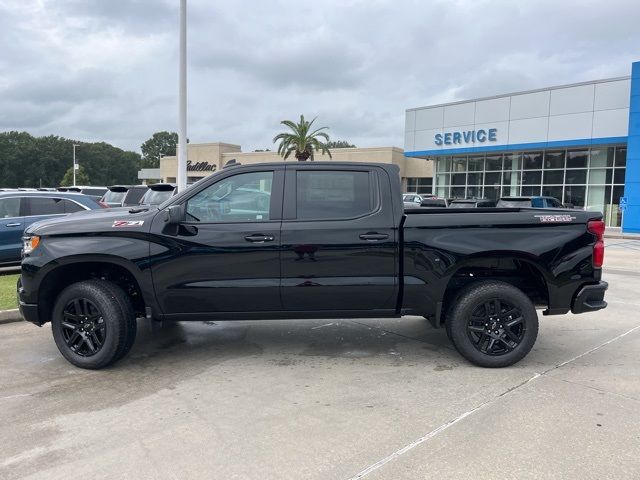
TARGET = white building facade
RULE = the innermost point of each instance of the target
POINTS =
(568, 142)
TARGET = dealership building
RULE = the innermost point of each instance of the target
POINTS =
(579, 143)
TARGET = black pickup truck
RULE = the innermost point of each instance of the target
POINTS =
(309, 240)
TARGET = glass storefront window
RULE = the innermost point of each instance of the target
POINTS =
(442, 178)
(601, 157)
(443, 164)
(458, 178)
(621, 156)
(530, 190)
(474, 192)
(476, 163)
(513, 161)
(457, 192)
(598, 176)
(492, 178)
(494, 162)
(616, 214)
(554, 177)
(585, 177)
(552, 191)
(532, 160)
(474, 178)
(459, 164)
(577, 158)
(532, 177)
(554, 159)
(576, 177)
(575, 195)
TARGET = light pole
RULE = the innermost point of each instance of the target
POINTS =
(75, 166)
(182, 100)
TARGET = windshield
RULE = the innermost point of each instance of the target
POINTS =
(114, 197)
(156, 197)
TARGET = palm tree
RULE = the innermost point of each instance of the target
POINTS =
(302, 140)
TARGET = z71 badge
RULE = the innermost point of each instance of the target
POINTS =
(128, 223)
(555, 218)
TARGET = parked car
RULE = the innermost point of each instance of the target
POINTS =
(472, 203)
(20, 209)
(158, 193)
(434, 203)
(91, 191)
(332, 241)
(531, 202)
(124, 195)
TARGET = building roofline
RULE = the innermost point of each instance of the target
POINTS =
(523, 92)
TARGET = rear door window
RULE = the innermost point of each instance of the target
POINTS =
(323, 195)
(44, 206)
(72, 207)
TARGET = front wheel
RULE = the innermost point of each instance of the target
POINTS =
(93, 323)
(492, 324)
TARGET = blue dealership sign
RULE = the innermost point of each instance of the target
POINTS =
(468, 136)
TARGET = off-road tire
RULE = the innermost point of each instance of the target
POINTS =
(462, 316)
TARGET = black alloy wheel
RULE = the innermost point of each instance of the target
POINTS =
(492, 323)
(83, 327)
(496, 327)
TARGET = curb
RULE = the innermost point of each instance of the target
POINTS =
(10, 316)
(622, 236)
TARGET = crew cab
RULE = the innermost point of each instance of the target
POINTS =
(306, 240)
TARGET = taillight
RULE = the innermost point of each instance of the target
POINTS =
(596, 227)
(102, 204)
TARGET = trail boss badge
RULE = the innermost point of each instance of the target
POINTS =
(127, 223)
(555, 218)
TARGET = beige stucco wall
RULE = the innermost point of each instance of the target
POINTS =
(218, 154)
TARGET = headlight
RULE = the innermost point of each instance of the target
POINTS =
(29, 244)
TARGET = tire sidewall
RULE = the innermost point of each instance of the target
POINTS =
(105, 301)
(469, 300)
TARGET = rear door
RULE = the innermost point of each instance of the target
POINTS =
(339, 245)
(11, 228)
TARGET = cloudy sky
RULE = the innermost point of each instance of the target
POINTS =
(106, 70)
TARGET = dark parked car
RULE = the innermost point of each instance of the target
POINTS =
(472, 203)
(124, 195)
(19, 209)
(94, 192)
(531, 202)
(309, 240)
(158, 193)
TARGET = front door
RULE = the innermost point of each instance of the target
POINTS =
(226, 256)
(11, 229)
(339, 245)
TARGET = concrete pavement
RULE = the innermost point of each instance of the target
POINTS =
(374, 399)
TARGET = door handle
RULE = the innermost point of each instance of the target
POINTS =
(13, 224)
(373, 236)
(258, 238)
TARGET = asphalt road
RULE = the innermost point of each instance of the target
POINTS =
(374, 399)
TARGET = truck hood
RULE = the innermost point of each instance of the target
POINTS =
(95, 221)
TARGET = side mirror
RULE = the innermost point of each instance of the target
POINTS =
(569, 205)
(176, 214)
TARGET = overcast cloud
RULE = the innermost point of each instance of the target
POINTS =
(106, 70)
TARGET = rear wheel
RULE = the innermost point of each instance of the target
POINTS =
(492, 324)
(93, 324)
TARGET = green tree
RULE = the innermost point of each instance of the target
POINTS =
(302, 140)
(339, 144)
(28, 161)
(81, 177)
(160, 143)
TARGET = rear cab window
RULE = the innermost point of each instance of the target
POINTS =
(335, 194)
